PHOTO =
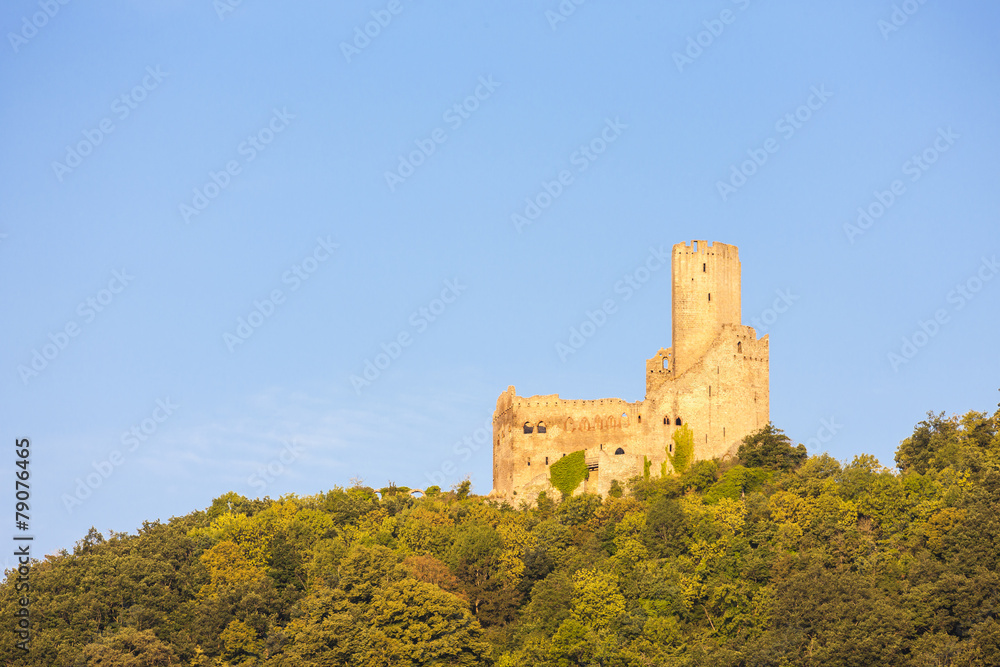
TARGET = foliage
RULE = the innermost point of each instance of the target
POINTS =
(683, 452)
(769, 561)
(770, 448)
(568, 473)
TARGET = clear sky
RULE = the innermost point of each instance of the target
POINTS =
(215, 214)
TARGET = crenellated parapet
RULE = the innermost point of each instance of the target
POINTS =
(713, 380)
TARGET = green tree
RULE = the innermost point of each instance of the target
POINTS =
(770, 448)
(130, 648)
(411, 623)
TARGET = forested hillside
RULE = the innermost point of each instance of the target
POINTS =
(773, 559)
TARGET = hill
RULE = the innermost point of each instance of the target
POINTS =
(770, 560)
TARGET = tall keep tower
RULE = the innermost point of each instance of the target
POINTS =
(713, 381)
(706, 296)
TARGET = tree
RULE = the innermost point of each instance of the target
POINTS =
(411, 623)
(130, 648)
(770, 448)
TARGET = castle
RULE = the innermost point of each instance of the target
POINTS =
(714, 380)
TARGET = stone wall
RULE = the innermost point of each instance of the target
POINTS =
(714, 379)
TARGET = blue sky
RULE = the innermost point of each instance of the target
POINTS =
(187, 164)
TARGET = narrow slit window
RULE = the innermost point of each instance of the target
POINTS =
(709, 296)
(703, 269)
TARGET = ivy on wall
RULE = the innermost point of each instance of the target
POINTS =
(567, 473)
(683, 449)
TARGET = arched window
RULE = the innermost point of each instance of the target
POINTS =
(677, 422)
(541, 427)
(619, 451)
(528, 428)
(739, 347)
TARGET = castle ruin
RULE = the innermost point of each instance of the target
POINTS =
(714, 379)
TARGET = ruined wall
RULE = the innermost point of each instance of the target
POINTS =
(714, 379)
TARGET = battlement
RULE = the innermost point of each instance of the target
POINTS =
(707, 248)
(713, 380)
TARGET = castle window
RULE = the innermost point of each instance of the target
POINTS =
(619, 451)
(666, 421)
(739, 347)
(709, 296)
(528, 428)
(671, 448)
(666, 363)
(541, 427)
(546, 460)
(709, 390)
(639, 419)
(703, 269)
(677, 422)
(529, 463)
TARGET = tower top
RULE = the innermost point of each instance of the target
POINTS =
(707, 248)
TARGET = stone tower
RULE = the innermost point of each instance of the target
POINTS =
(714, 380)
(706, 296)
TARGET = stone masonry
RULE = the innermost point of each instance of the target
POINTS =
(714, 379)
